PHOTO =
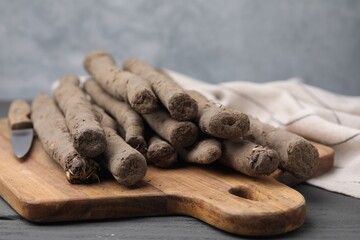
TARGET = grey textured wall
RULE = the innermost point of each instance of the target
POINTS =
(214, 41)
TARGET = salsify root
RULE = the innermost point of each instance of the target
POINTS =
(218, 121)
(51, 129)
(179, 104)
(249, 158)
(160, 152)
(106, 120)
(83, 124)
(205, 151)
(130, 121)
(298, 156)
(178, 134)
(127, 165)
(121, 84)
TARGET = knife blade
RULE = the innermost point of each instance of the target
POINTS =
(22, 132)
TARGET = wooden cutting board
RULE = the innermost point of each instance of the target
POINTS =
(37, 189)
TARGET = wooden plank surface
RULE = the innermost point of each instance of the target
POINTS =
(37, 189)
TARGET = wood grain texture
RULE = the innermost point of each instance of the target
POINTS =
(37, 189)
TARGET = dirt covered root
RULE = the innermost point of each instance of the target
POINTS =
(302, 158)
(106, 120)
(130, 121)
(249, 158)
(127, 165)
(178, 103)
(177, 133)
(298, 156)
(87, 135)
(120, 84)
(80, 170)
(204, 151)
(218, 121)
(51, 129)
(224, 123)
(161, 153)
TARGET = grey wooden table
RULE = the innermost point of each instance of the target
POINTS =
(329, 216)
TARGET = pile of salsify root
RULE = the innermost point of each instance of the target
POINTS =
(122, 119)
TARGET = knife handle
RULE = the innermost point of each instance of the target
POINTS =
(19, 115)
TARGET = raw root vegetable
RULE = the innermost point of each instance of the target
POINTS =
(130, 121)
(249, 158)
(218, 121)
(51, 129)
(298, 156)
(127, 165)
(120, 84)
(98, 113)
(83, 124)
(205, 151)
(178, 134)
(106, 120)
(160, 152)
(179, 104)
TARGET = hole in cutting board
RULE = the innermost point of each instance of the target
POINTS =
(243, 192)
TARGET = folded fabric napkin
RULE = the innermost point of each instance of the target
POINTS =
(316, 114)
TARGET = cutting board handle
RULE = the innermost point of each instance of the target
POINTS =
(232, 202)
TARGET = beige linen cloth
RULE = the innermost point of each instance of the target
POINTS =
(316, 114)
